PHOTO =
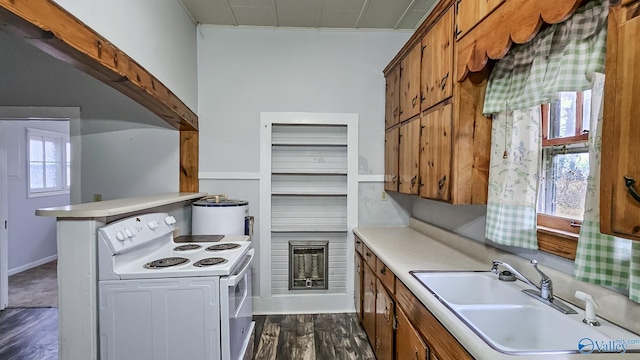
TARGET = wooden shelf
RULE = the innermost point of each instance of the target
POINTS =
(306, 228)
(309, 142)
(309, 193)
(309, 171)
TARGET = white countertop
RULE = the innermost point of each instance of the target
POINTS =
(117, 206)
(404, 249)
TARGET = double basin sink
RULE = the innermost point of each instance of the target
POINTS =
(512, 322)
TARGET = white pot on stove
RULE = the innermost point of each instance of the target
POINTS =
(217, 215)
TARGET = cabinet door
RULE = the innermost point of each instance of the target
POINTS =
(435, 156)
(409, 156)
(392, 98)
(471, 12)
(625, 210)
(369, 303)
(385, 315)
(357, 290)
(437, 62)
(410, 84)
(391, 156)
(409, 344)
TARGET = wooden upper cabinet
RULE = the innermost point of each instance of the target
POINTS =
(435, 154)
(392, 98)
(385, 315)
(409, 157)
(409, 344)
(410, 84)
(620, 174)
(471, 12)
(437, 62)
(391, 157)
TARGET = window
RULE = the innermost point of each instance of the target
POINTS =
(565, 164)
(49, 163)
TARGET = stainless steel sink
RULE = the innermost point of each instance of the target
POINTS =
(509, 320)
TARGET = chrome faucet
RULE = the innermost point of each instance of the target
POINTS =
(545, 290)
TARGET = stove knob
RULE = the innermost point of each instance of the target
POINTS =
(120, 236)
(170, 220)
(153, 225)
(128, 233)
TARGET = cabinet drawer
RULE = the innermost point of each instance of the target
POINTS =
(369, 257)
(386, 276)
(359, 246)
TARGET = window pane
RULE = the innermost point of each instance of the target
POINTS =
(586, 111)
(68, 152)
(35, 176)
(68, 175)
(51, 150)
(570, 184)
(53, 176)
(563, 110)
(35, 149)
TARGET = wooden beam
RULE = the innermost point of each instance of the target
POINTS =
(55, 31)
(189, 161)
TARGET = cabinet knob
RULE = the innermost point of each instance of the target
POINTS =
(414, 101)
(383, 271)
(630, 184)
(414, 179)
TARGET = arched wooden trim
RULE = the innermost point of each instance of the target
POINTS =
(55, 31)
(516, 21)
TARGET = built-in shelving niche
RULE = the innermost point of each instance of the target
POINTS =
(309, 196)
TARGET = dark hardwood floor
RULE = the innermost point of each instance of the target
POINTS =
(310, 337)
(32, 334)
(29, 334)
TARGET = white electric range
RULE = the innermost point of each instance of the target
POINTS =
(163, 300)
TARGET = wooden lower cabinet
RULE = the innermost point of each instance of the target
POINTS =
(357, 290)
(397, 324)
(369, 303)
(385, 316)
(442, 344)
(409, 344)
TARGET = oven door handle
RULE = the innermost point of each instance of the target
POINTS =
(233, 280)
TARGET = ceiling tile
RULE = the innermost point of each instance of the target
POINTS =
(411, 20)
(255, 16)
(343, 5)
(383, 13)
(424, 5)
(339, 19)
(298, 13)
(252, 3)
(209, 11)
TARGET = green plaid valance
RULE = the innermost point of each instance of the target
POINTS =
(560, 58)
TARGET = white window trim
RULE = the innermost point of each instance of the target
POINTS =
(63, 138)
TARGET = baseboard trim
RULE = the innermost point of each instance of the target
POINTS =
(304, 304)
(33, 264)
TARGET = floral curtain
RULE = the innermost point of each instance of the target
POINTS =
(514, 177)
(603, 259)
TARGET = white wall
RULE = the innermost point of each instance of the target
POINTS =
(32, 239)
(126, 149)
(245, 71)
(158, 34)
